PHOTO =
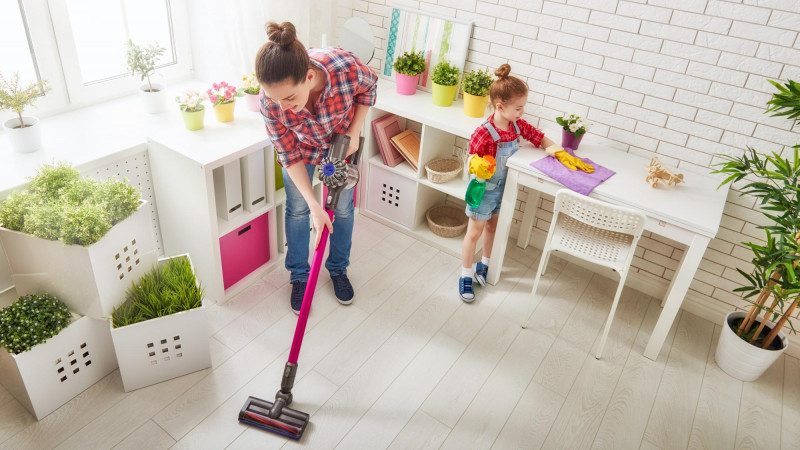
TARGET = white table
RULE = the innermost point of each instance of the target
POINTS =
(688, 213)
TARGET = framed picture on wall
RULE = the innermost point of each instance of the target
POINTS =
(437, 37)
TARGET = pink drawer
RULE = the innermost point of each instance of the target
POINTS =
(244, 250)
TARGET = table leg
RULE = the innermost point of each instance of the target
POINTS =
(528, 218)
(677, 292)
(503, 226)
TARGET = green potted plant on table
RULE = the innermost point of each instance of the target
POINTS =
(573, 127)
(476, 92)
(47, 356)
(223, 96)
(142, 62)
(77, 238)
(252, 91)
(24, 133)
(192, 109)
(445, 83)
(408, 67)
(161, 331)
(750, 342)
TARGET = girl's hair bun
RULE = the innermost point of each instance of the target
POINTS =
(283, 34)
(503, 71)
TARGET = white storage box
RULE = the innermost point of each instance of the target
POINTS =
(159, 349)
(392, 196)
(89, 280)
(228, 190)
(52, 373)
(254, 184)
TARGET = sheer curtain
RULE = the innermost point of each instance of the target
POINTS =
(226, 34)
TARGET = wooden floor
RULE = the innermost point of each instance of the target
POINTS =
(409, 366)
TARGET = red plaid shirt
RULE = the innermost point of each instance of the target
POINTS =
(305, 137)
(481, 142)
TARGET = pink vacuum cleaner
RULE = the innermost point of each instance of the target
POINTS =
(338, 174)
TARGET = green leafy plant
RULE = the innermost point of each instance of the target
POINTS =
(477, 82)
(60, 205)
(14, 97)
(166, 289)
(574, 124)
(773, 181)
(31, 320)
(410, 64)
(445, 74)
(142, 61)
(250, 84)
(786, 101)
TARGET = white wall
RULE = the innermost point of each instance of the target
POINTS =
(680, 79)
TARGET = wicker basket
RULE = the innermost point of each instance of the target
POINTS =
(442, 170)
(446, 221)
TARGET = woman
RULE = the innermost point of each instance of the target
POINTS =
(308, 96)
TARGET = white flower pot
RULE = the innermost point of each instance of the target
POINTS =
(24, 140)
(160, 349)
(153, 102)
(53, 372)
(740, 359)
(90, 280)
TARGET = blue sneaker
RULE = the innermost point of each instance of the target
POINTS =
(481, 270)
(298, 291)
(465, 289)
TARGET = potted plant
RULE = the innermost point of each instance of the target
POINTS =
(77, 238)
(192, 109)
(47, 355)
(142, 62)
(750, 342)
(445, 83)
(161, 331)
(408, 67)
(476, 92)
(24, 133)
(223, 96)
(252, 91)
(573, 129)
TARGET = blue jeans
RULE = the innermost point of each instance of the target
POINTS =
(298, 233)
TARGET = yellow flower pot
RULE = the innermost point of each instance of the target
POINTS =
(443, 95)
(475, 106)
(193, 119)
(224, 111)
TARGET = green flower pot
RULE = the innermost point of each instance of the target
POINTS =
(444, 95)
(193, 119)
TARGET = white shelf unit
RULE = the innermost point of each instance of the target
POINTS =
(440, 127)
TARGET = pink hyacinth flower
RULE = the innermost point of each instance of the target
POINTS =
(213, 99)
(223, 84)
(216, 85)
(228, 95)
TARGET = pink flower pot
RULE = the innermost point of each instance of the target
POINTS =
(252, 102)
(407, 85)
(568, 140)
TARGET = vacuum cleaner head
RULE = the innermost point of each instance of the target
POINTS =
(289, 422)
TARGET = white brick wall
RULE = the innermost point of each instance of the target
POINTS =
(681, 79)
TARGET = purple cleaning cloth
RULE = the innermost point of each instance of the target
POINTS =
(577, 180)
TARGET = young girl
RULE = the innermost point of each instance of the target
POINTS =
(307, 96)
(499, 137)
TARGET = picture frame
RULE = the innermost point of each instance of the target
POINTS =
(385, 128)
(438, 37)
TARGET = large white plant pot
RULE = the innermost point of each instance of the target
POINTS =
(52, 373)
(90, 280)
(24, 140)
(153, 102)
(738, 358)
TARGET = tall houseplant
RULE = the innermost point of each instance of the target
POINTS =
(24, 133)
(445, 83)
(142, 63)
(476, 86)
(773, 181)
(408, 67)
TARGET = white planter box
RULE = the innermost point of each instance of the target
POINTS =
(160, 349)
(90, 280)
(740, 359)
(52, 373)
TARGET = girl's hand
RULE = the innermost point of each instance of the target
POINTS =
(355, 135)
(320, 220)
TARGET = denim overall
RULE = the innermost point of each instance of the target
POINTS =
(490, 204)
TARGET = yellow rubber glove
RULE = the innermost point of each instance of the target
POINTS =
(569, 161)
(482, 167)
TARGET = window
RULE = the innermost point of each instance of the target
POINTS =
(80, 46)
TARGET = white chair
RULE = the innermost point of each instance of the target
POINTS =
(594, 231)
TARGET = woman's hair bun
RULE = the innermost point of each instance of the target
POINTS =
(283, 34)
(503, 71)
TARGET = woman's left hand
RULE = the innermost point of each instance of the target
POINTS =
(355, 135)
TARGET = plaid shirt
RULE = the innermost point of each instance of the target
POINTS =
(481, 142)
(305, 137)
